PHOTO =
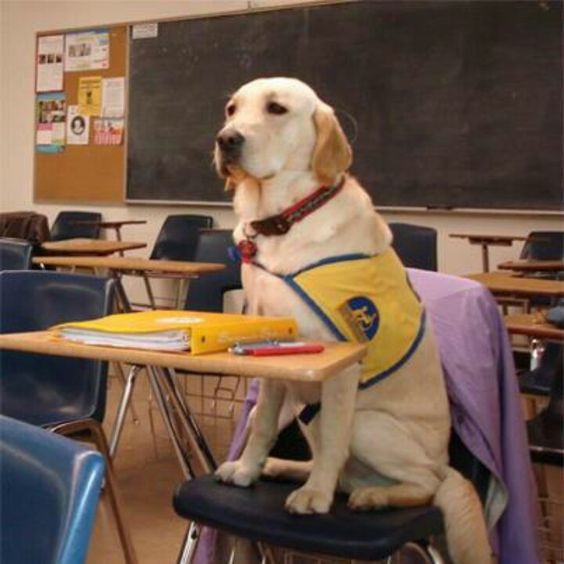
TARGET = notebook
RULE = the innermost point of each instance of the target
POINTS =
(170, 330)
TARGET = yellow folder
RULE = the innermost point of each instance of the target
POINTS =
(201, 332)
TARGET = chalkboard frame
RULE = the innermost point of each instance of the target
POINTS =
(555, 208)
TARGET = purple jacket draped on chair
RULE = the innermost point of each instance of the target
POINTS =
(486, 411)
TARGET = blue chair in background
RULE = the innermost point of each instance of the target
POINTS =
(66, 395)
(75, 224)
(415, 245)
(207, 293)
(49, 487)
(543, 245)
(178, 237)
(176, 240)
(15, 254)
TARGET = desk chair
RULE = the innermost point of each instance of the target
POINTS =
(258, 514)
(207, 293)
(486, 409)
(415, 245)
(177, 240)
(65, 395)
(543, 245)
(49, 487)
(68, 225)
(15, 254)
(546, 444)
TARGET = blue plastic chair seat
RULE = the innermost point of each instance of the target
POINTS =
(258, 514)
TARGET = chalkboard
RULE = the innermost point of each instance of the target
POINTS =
(448, 104)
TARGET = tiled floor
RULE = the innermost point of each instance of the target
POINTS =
(148, 472)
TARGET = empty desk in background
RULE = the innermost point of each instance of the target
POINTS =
(118, 266)
(90, 247)
(533, 325)
(502, 284)
(485, 241)
(530, 266)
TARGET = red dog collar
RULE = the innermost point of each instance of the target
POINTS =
(281, 223)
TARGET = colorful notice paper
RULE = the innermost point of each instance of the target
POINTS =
(49, 75)
(50, 122)
(108, 131)
(87, 50)
(78, 127)
(90, 95)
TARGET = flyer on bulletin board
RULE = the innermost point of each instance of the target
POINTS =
(90, 95)
(49, 72)
(78, 127)
(50, 122)
(87, 50)
(108, 131)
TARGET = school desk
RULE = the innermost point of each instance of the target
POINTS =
(507, 285)
(118, 266)
(485, 241)
(533, 325)
(528, 266)
(176, 414)
(90, 247)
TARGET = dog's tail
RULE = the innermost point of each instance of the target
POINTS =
(465, 526)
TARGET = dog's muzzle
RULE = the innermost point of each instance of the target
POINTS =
(230, 143)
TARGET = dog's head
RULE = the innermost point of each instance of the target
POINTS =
(279, 124)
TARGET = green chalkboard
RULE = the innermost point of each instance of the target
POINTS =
(449, 104)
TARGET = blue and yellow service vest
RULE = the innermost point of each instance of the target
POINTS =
(366, 299)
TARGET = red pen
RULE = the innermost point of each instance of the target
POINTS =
(285, 348)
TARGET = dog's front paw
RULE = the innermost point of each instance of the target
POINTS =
(237, 473)
(306, 501)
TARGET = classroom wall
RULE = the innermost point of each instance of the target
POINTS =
(20, 20)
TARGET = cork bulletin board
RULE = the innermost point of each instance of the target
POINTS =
(85, 173)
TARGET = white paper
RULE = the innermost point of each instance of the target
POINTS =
(87, 50)
(145, 31)
(49, 76)
(78, 127)
(113, 97)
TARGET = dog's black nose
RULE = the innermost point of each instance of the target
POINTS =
(230, 141)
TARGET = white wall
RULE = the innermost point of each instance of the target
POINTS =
(21, 20)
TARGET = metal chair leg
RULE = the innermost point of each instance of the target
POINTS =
(122, 409)
(121, 376)
(189, 544)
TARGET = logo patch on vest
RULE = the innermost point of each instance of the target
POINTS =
(362, 317)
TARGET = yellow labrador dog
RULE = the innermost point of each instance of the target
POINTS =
(314, 248)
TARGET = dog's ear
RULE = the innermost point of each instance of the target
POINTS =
(332, 154)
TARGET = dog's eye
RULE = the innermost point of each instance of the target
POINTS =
(277, 109)
(230, 110)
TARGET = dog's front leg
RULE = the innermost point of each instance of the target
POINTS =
(331, 438)
(264, 430)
